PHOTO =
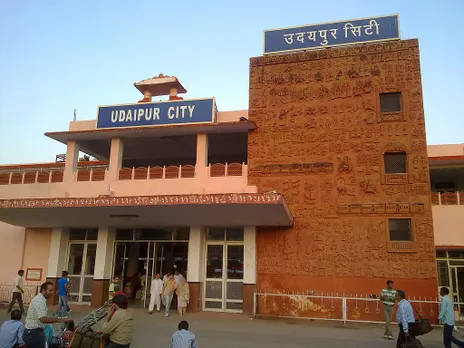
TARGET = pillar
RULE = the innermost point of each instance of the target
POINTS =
(103, 265)
(201, 167)
(72, 159)
(115, 162)
(57, 258)
(249, 269)
(195, 267)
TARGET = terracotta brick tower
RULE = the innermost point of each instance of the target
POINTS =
(341, 134)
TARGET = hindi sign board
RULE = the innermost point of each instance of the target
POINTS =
(332, 34)
(157, 113)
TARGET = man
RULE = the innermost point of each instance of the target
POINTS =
(168, 292)
(404, 318)
(37, 318)
(18, 292)
(119, 324)
(447, 318)
(388, 297)
(183, 338)
(156, 289)
(166, 276)
(177, 277)
(114, 287)
(63, 293)
(11, 332)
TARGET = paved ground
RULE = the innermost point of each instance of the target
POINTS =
(229, 330)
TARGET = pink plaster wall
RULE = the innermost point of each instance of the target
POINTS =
(11, 251)
(37, 249)
(448, 224)
(445, 150)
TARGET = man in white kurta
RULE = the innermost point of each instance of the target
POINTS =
(156, 289)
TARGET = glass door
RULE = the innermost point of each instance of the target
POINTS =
(214, 283)
(224, 278)
(81, 267)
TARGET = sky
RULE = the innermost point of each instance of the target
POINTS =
(57, 56)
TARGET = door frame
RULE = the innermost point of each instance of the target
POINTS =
(455, 289)
(224, 278)
(151, 253)
(81, 276)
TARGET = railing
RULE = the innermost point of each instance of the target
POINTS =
(448, 198)
(157, 172)
(31, 177)
(136, 173)
(228, 169)
(333, 308)
(93, 174)
(6, 292)
(179, 172)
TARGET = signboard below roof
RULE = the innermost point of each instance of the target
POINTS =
(157, 113)
(314, 36)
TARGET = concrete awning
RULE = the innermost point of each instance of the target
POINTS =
(218, 210)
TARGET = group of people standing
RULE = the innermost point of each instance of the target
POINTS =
(407, 321)
(163, 290)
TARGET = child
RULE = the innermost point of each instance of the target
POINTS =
(68, 334)
(114, 287)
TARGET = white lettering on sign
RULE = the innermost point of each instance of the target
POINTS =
(135, 115)
(179, 111)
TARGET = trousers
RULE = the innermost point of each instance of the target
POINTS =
(17, 296)
(167, 303)
(448, 337)
(63, 307)
(388, 314)
(34, 338)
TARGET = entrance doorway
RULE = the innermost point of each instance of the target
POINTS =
(81, 267)
(137, 263)
(457, 289)
(223, 290)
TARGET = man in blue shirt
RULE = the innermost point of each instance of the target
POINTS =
(11, 332)
(404, 318)
(183, 338)
(447, 318)
(63, 291)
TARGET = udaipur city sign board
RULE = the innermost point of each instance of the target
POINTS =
(157, 113)
(315, 36)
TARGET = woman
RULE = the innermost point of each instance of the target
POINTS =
(183, 294)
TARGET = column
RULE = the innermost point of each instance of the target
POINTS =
(57, 258)
(201, 167)
(72, 159)
(115, 162)
(103, 265)
(249, 269)
(195, 267)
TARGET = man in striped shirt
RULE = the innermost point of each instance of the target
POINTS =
(387, 297)
(183, 338)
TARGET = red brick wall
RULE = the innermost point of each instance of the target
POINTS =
(320, 110)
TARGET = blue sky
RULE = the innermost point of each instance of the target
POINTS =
(57, 56)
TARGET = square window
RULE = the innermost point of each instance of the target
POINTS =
(125, 234)
(182, 233)
(77, 234)
(395, 162)
(390, 102)
(92, 234)
(216, 234)
(400, 230)
(234, 234)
